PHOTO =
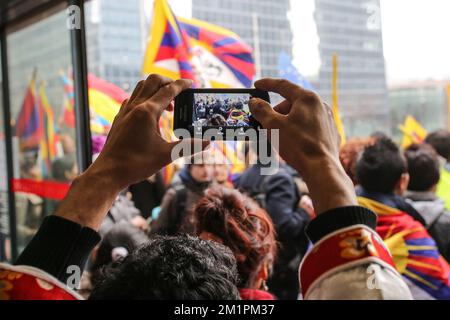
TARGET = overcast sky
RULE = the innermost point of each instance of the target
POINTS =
(415, 33)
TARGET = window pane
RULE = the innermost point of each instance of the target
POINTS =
(39, 63)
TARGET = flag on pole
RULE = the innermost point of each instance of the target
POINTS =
(28, 125)
(48, 143)
(413, 132)
(288, 71)
(335, 107)
(209, 55)
(68, 115)
(105, 99)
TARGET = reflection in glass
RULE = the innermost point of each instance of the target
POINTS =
(43, 132)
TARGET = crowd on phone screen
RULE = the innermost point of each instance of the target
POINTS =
(245, 236)
(210, 110)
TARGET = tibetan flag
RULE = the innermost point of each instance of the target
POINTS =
(413, 132)
(231, 153)
(68, 115)
(105, 100)
(29, 127)
(209, 55)
(48, 143)
(414, 252)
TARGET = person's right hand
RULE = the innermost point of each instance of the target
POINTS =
(135, 148)
(308, 141)
(133, 151)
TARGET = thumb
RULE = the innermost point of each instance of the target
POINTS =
(187, 148)
(263, 112)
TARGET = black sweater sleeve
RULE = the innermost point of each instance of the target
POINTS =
(58, 244)
(339, 218)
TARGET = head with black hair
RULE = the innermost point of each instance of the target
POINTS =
(117, 243)
(381, 167)
(65, 168)
(440, 141)
(379, 135)
(423, 167)
(175, 268)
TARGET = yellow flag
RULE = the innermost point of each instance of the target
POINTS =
(336, 115)
(413, 132)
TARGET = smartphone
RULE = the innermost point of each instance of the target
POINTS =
(199, 110)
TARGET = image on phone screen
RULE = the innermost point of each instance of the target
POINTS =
(221, 110)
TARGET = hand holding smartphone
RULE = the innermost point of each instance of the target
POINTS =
(199, 110)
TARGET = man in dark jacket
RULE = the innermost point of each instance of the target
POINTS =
(423, 166)
(278, 194)
(148, 194)
(179, 201)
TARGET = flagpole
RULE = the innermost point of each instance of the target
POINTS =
(336, 115)
(256, 44)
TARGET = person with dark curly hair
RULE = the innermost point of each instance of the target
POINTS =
(228, 217)
(177, 268)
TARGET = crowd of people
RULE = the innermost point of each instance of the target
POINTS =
(365, 220)
(211, 110)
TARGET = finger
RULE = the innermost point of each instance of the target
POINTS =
(283, 87)
(136, 91)
(263, 113)
(284, 107)
(165, 95)
(123, 109)
(151, 85)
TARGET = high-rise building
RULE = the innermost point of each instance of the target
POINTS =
(352, 30)
(262, 24)
(114, 31)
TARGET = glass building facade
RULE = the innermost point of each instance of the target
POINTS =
(114, 35)
(262, 24)
(352, 30)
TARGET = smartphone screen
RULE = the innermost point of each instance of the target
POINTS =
(223, 110)
(227, 110)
